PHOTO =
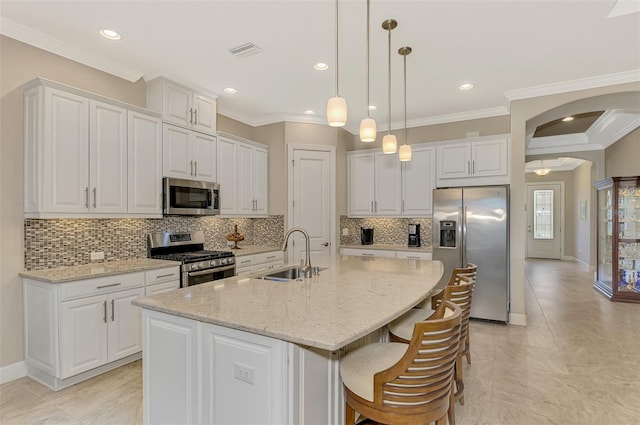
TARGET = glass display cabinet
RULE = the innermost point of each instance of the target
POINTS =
(618, 275)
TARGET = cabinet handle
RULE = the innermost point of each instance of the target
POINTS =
(104, 318)
(195, 113)
(195, 168)
(468, 167)
(245, 261)
(371, 206)
(164, 275)
(366, 255)
(108, 286)
(191, 115)
(86, 197)
(113, 311)
(270, 257)
(95, 197)
(403, 205)
(191, 165)
(473, 167)
(412, 257)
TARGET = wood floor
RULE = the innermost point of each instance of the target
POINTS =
(576, 363)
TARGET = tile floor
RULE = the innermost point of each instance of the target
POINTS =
(576, 363)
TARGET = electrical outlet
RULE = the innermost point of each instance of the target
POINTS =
(243, 372)
(345, 231)
(96, 256)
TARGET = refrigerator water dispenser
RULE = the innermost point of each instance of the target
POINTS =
(448, 233)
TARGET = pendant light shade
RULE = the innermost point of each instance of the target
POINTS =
(337, 106)
(337, 111)
(368, 130)
(389, 142)
(405, 150)
(543, 171)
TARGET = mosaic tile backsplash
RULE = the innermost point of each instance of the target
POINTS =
(391, 231)
(69, 242)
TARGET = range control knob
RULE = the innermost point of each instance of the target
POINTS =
(223, 261)
(202, 265)
(213, 263)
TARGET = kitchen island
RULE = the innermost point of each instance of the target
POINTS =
(249, 351)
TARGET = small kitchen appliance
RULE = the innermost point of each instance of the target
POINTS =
(198, 265)
(366, 235)
(414, 235)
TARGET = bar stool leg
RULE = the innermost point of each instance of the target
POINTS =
(350, 415)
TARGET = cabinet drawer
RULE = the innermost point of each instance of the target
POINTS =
(152, 277)
(244, 261)
(162, 287)
(100, 285)
(414, 255)
(368, 252)
(268, 257)
(244, 270)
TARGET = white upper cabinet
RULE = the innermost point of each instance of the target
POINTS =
(480, 161)
(182, 106)
(77, 153)
(145, 164)
(243, 175)
(418, 181)
(188, 155)
(381, 185)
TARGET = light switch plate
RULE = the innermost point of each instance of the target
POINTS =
(96, 256)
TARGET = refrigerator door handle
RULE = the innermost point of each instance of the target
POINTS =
(462, 213)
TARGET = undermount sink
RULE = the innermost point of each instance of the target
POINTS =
(290, 273)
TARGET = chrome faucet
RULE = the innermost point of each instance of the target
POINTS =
(306, 269)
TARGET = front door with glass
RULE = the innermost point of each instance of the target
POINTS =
(544, 203)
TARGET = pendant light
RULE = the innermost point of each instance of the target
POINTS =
(337, 106)
(405, 150)
(368, 130)
(389, 142)
(542, 171)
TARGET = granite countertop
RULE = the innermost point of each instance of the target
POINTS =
(353, 297)
(380, 246)
(252, 249)
(88, 271)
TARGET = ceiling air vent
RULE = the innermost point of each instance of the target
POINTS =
(245, 50)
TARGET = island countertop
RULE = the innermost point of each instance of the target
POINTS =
(353, 297)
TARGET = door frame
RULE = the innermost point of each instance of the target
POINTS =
(562, 223)
(289, 219)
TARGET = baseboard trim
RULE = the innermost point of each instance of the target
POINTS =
(517, 319)
(12, 372)
(568, 258)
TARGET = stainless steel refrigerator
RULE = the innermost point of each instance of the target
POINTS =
(471, 225)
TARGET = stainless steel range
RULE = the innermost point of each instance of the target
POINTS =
(198, 265)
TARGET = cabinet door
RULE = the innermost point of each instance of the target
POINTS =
(177, 104)
(203, 154)
(145, 164)
(176, 162)
(489, 158)
(226, 171)
(108, 158)
(418, 181)
(83, 335)
(204, 118)
(245, 173)
(454, 160)
(388, 184)
(261, 181)
(66, 152)
(361, 184)
(125, 324)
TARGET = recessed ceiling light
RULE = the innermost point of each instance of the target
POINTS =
(466, 86)
(230, 90)
(110, 34)
(565, 119)
(321, 66)
(310, 112)
(372, 107)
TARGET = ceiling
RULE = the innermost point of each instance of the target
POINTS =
(507, 49)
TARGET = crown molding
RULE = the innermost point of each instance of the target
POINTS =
(624, 7)
(180, 80)
(574, 85)
(60, 48)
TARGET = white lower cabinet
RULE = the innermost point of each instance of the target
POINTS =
(247, 264)
(412, 255)
(77, 330)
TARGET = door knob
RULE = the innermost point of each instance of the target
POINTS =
(325, 244)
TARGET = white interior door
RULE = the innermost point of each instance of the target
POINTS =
(311, 185)
(544, 221)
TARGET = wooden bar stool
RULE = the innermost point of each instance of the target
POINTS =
(406, 384)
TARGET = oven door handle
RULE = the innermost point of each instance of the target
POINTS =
(212, 270)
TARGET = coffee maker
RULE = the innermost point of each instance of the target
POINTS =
(414, 235)
(366, 235)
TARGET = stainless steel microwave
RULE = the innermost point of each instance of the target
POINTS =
(190, 197)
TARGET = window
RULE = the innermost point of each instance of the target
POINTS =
(543, 214)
